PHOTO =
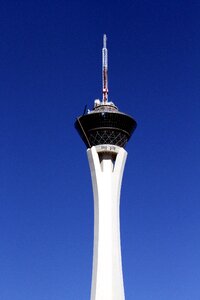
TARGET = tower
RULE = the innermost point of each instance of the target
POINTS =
(105, 131)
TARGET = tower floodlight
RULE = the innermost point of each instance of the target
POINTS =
(105, 131)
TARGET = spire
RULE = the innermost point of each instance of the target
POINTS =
(105, 70)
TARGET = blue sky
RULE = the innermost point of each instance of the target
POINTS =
(50, 68)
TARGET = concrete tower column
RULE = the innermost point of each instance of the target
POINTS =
(105, 131)
(107, 165)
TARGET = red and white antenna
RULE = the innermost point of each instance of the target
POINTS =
(105, 70)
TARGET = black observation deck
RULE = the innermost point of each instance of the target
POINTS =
(105, 125)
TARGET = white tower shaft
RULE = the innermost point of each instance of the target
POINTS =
(106, 165)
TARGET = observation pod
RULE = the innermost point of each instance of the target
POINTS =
(105, 131)
(105, 125)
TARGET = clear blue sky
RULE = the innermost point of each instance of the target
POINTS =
(50, 67)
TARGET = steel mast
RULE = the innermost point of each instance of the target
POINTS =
(105, 70)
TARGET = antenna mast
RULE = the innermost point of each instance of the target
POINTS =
(105, 70)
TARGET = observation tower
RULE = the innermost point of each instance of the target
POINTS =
(105, 131)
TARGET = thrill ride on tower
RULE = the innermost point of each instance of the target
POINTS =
(105, 131)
